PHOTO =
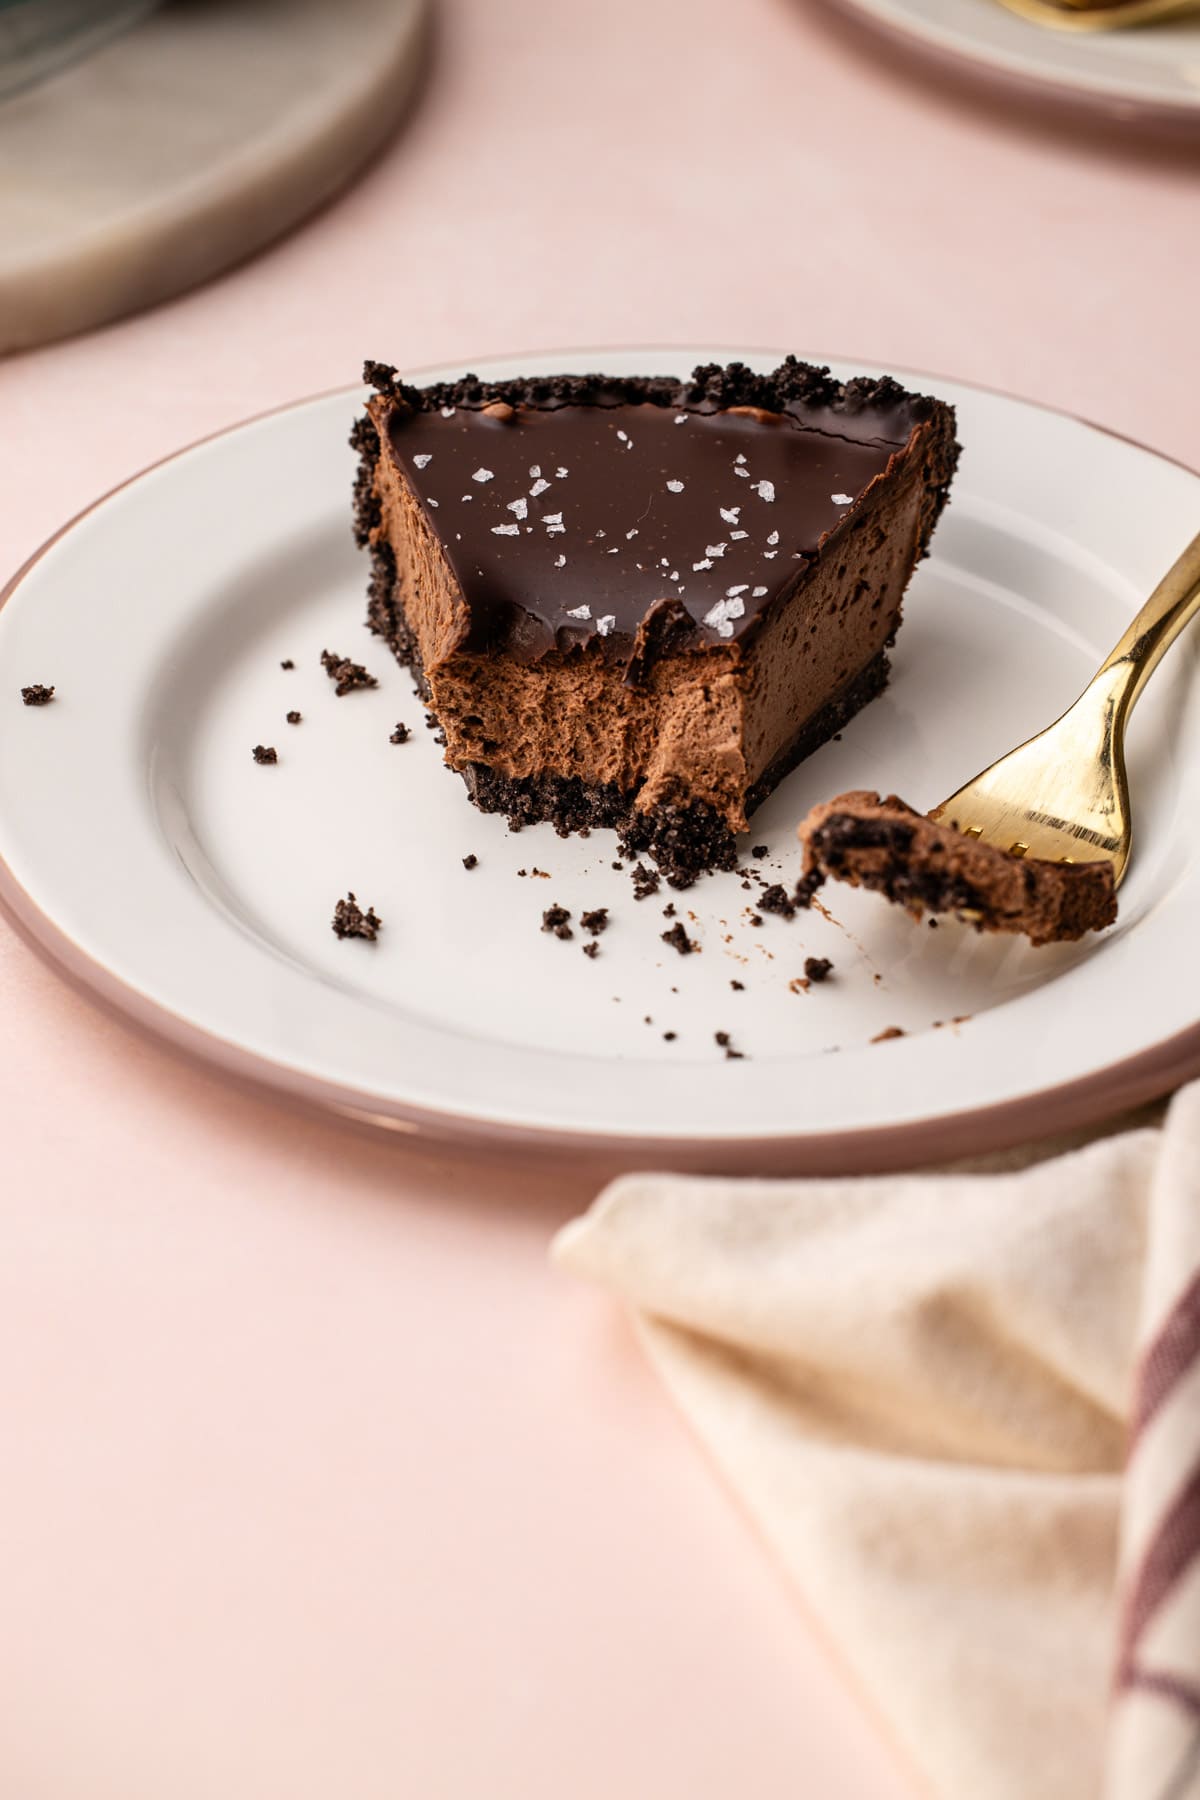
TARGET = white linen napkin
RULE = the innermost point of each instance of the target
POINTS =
(963, 1410)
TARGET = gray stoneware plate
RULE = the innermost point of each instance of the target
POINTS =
(147, 856)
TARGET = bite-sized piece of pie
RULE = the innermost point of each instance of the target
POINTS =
(639, 602)
(889, 847)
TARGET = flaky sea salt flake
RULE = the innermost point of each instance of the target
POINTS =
(842, 499)
(731, 593)
(758, 593)
(774, 538)
(506, 531)
(605, 623)
(739, 534)
(519, 507)
(730, 514)
(675, 487)
(714, 549)
(765, 489)
(423, 461)
(539, 487)
(482, 475)
(706, 564)
(560, 562)
(579, 612)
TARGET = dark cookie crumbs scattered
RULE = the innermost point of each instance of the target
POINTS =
(645, 881)
(293, 718)
(669, 910)
(760, 850)
(596, 921)
(669, 1036)
(555, 919)
(731, 1055)
(37, 695)
(287, 663)
(592, 949)
(891, 1031)
(747, 885)
(739, 987)
(818, 968)
(678, 939)
(265, 753)
(400, 735)
(350, 921)
(345, 675)
(471, 861)
(756, 918)
(775, 899)
(618, 866)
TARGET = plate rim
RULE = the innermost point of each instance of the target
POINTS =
(1121, 105)
(1063, 1107)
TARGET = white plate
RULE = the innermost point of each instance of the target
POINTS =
(144, 850)
(1151, 74)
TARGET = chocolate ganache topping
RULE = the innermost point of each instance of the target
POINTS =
(643, 514)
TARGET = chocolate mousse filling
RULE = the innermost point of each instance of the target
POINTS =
(889, 847)
(639, 603)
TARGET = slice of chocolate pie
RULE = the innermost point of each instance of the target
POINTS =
(639, 602)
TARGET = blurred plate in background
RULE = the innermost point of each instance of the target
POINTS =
(1150, 73)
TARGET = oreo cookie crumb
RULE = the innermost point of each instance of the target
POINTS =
(618, 866)
(669, 1037)
(350, 921)
(345, 675)
(592, 949)
(669, 910)
(596, 921)
(471, 861)
(775, 899)
(933, 924)
(723, 1040)
(37, 695)
(818, 968)
(645, 881)
(678, 939)
(555, 920)
(890, 1031)
(294, 718)
(287, 663)
(265, 753)
(756, 918)
(400, 735)
(739, 987)
(760, 850)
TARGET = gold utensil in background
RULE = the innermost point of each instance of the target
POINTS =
(1073, 16)
(1063, 795)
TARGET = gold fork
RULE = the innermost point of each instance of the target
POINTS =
(1077, 15)
(1064, 795)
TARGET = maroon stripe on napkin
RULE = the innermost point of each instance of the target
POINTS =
(1169, 1357)
(1172, 1687)
(1171, 1552)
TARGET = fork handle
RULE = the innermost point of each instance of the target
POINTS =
(1174, 603)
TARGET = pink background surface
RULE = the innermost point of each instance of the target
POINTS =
(316, 1478)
